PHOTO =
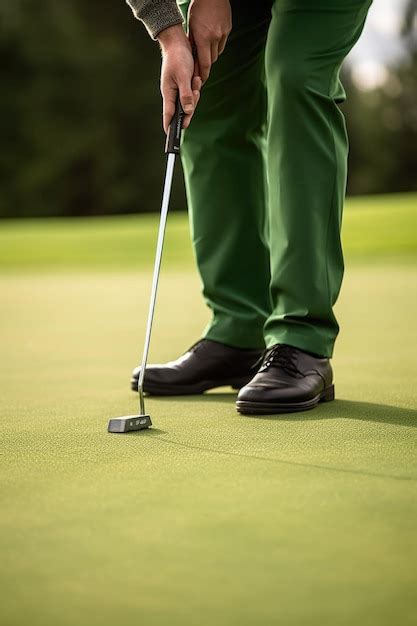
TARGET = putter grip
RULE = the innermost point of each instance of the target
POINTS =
(173, 141)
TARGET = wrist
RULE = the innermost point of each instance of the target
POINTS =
(172, 36)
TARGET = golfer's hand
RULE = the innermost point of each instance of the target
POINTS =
(178, 75)
(209, 25)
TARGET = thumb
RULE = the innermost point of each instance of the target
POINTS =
(186, 94)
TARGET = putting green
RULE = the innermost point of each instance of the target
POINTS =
(375, 228)
(210, 517)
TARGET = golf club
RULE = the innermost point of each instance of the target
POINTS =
(129, 423)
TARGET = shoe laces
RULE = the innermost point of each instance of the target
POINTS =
(281, 356)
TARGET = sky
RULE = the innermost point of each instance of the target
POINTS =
(379, 45)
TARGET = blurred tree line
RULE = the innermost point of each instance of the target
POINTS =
(382, 123)
(80, 115)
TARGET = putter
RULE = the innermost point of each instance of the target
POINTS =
(130, 423)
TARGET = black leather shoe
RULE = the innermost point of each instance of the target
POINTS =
(207, 364)
(288, 380)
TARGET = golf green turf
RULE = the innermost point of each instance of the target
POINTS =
(375, 228)
(210, 517)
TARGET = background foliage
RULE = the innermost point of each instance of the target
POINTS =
(80, 114)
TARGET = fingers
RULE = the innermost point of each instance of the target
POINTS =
(209, 25)
(204, 60)
(214, 52)
(197, 84)
(196, 87)
(186, 94)
(222, 44)
(206, 55)
(187, 99)
(196, 68)
(179, 79)
(169, 96)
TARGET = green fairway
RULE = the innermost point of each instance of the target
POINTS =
(209, 518)
(375, 227)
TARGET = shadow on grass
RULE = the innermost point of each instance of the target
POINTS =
(351, 409)
(146, 432)
(339, 409)
(228, 397)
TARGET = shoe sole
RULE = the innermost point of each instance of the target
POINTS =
(267, 408)
(188, 390)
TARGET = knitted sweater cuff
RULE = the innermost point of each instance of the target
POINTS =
(156, 14)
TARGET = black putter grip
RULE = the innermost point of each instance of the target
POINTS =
(172, 145)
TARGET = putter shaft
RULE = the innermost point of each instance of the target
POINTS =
(158, 257)
(142, 421)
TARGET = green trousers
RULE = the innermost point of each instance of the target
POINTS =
(264, 162)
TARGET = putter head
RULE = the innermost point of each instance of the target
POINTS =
(129, 423)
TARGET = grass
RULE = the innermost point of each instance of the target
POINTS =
(375, 227)
(210, 517)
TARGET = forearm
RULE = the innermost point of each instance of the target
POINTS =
(156, 14)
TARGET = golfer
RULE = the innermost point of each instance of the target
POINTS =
(264, 160)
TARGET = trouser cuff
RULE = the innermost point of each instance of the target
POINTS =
(236, 334)
(308, 339)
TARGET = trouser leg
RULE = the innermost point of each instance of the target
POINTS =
(223, 156)
(306, 157)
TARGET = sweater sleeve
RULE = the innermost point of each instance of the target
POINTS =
(156, 14)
